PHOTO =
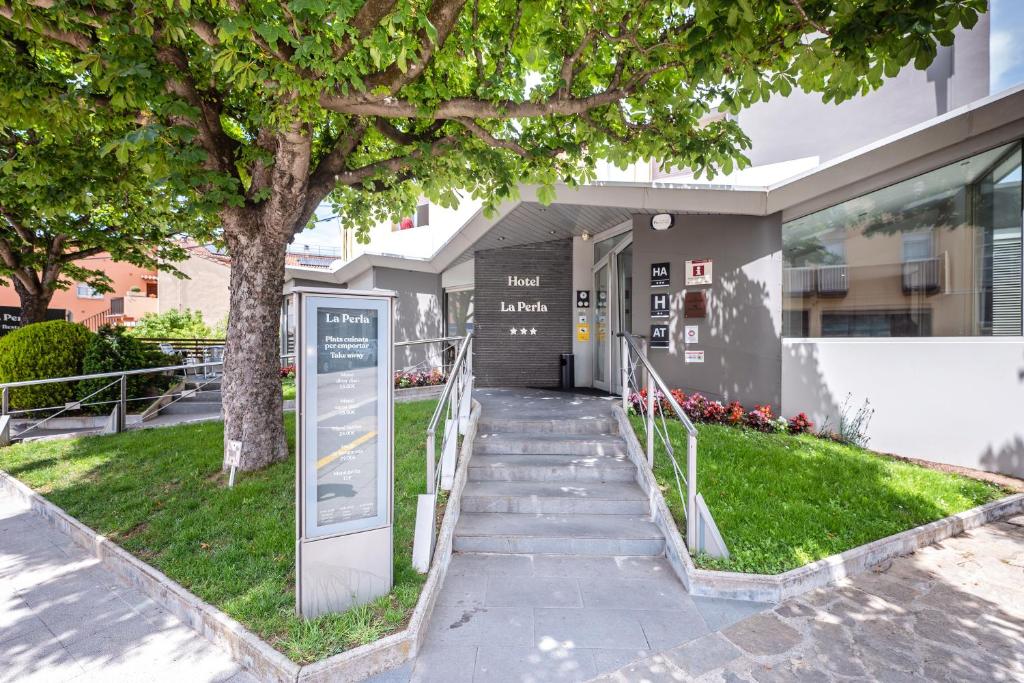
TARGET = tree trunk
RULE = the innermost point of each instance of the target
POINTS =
(33, 306)
(252, 380)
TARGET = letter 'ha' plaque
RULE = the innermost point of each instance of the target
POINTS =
(344, 460)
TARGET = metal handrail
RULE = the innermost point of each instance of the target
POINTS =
(654, 384)
(100, 375)
(429, 341)
(442, 401)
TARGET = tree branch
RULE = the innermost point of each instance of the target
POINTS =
(365, 20)
(803, 13)
(79, 41)
(480, 132)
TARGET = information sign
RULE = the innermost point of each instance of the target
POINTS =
(690, 335)
(693, 356)
(345, 468)
(582, 298)
(698, 272)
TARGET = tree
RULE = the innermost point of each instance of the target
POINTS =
(270, 106)
(172, 323)
(62, 200)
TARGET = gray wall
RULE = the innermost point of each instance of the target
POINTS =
(953, 400)
(741, 335)
(504, 359)
(417, 313)
(801, 125)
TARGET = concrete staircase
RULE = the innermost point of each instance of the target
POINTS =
(555, 487)
(206, 400)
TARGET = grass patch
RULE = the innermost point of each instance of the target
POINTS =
(161, 496)
(288, 388)
(783, 501)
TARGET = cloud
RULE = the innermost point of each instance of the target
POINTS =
(1006, 48)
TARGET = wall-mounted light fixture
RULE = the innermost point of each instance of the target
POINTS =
(585, 236)
(662, 221)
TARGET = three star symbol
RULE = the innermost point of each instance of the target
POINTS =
(522, 331)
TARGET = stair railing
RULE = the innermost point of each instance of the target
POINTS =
(454, 405)
(702, 535)
(201, 374)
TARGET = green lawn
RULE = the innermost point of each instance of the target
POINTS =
(782, 501)
(288, 388)
(160, 494)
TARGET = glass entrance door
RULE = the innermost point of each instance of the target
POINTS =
(613, 311)
(602, 323)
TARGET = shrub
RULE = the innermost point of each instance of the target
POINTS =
(853, 429)
(288, 371)
(760, 418)
(800, 424)
(734, 413)
(112, 349)
(173, 324)
(40, 351)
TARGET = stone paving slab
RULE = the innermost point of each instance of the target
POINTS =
(536, 618)
(65, 618)
(953, 611)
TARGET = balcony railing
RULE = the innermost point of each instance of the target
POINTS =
(833, 280)
(799, 281)
(923, 275)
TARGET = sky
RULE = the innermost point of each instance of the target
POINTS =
(1006, 70)
(1007, 44)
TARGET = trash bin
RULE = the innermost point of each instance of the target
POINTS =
(568, 371)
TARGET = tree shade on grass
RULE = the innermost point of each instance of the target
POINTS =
(161, 495)
(783, 501)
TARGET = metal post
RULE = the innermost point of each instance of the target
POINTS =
(691, 492)
(650, 419)
(625, 374)
(430, 461)
(122, 410)
(6, 400)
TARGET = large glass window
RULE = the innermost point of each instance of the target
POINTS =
(458, 312)
(937, 255)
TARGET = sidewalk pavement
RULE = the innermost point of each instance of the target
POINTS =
(953, 611)
(65, 618)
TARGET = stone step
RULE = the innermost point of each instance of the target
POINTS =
(186, 407)
(557, 534)
(207, 384)
(551, 444)
(571, 426)
(204, 395)
(547, 467)
(536, 497)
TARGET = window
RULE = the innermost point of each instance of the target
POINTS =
(458, 312)
(418, 220)
(84, 291)
(936, 255)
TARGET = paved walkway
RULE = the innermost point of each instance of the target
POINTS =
(534, 618)
(65, 618)
(953, 611)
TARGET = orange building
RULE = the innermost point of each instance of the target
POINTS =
(135, 294)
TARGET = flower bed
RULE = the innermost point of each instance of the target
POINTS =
(427, 378)
(701, 409)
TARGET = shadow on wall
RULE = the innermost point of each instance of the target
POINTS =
(1009, 459)
(805, 383)
(417, 316)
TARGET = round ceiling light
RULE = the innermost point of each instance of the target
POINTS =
(662, 221)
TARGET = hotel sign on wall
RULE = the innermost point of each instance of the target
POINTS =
(660, 274)
(659, 305)
(698, 272)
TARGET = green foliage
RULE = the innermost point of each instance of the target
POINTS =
(783, 501)
(40, 351)
(161, 495)
(62, 199)
(110, 350)
(428, 98)
(173, 324)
